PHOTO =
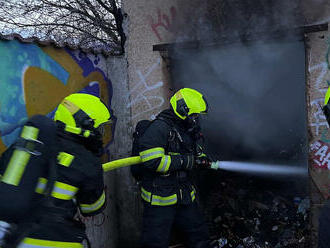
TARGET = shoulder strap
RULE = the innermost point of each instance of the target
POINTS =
(171, 124)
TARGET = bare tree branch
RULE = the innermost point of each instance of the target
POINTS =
(91, 23)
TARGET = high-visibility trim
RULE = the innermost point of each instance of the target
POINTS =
(152, 153)
(193, 195)
(164, 164)
(158, 200)
(164, 201)
(64, 191)
(29, 133)
(65, 159)
(88, 208)
(16, 167)
(41, 186)
(60, 190)
(70, 129)
(39, 243)
(174, 153)
(145, 195)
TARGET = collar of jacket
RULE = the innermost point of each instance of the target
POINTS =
(169, 114)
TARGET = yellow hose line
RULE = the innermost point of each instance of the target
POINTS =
(121, 163)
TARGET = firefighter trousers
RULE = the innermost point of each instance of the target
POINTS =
(158, 222)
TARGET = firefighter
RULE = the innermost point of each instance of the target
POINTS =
(51, 171)
(169, 151)
(324, 219)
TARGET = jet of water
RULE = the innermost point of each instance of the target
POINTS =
(259, 168)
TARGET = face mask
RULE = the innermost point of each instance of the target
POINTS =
(192, 123)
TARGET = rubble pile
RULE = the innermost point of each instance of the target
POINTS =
(250, 215)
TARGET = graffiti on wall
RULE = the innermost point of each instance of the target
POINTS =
(319, 123)
(34, 80)
(320, 154)
(141, 93)
(320, 146)
(163, 22)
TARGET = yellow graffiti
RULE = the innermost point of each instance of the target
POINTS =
(43, 91)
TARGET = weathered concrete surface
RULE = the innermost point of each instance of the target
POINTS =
(103, 229)
(317, 48)
(148, 23)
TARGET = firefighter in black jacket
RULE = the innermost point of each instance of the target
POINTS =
(52, 170)
(168, 149)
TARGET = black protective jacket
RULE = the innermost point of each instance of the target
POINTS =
(166, 148)
(76, 183)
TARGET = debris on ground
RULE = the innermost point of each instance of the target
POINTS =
(257, 217)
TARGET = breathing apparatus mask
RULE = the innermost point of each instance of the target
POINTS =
(192, 123)
(94, 141)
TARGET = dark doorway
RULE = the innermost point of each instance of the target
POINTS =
(257, 112)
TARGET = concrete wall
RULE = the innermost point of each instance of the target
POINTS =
(147, 23)
(34, 79)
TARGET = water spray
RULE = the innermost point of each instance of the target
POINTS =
(258, 168)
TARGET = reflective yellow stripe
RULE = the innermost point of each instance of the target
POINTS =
(64, 191)
(39, 243)
(65, 159)
(152, 154)
(88, 208)
(193, 195)
(145, 195)
(75, 130)
(173, 153)
(16, 167)
(41, 185)
(164, 201)
(164, 164)
(30, 132)
(60, 190)
(158, 200)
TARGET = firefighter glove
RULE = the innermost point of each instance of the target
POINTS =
(202, 162)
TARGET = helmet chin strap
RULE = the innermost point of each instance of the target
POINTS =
(75, 130)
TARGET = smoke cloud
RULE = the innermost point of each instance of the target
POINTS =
(255, 90)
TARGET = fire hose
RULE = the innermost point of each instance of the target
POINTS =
(124, 162)
(234, 166)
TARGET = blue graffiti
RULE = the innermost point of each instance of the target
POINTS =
(16, 57)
